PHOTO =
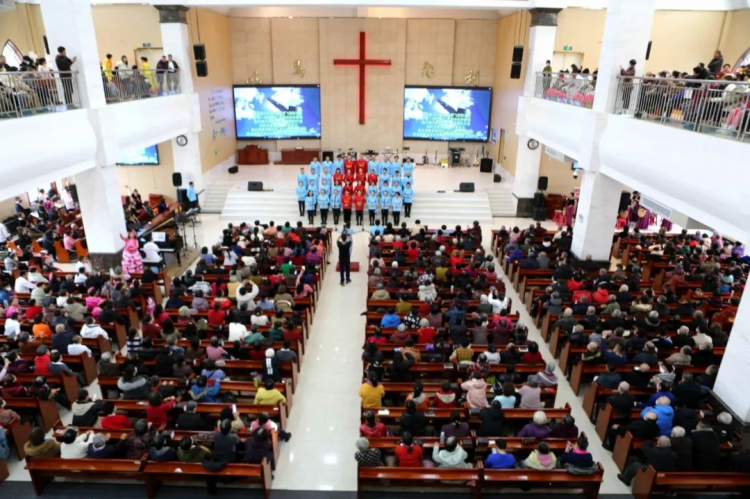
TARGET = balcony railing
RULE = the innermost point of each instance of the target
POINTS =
(134, 84)
(573, 89)
(29, 93)
(717, 107)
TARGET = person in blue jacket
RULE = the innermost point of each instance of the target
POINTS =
(396, 203)
(396, 187)
(373, 167)
(328, 164)
(385, 168)
(310, 201)
(372, 204)
(408, 198)
(315, 167)
(204, 391)
(396, 168)
(338, 165)
(324, 200)
(384, 178)
(336, 203)
(408, 167)
(664, 413)
(302, 177)
(327, 176)
(312, 181)
(385, 204)
(301, 195)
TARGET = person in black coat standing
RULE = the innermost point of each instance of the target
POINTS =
(345, 258)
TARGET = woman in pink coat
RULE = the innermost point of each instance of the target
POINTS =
(131, 257)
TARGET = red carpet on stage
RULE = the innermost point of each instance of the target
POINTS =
(354, 267)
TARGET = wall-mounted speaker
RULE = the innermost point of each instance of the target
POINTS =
(177, 179)
(543, 181)
(515, 71)
(648, 50)
(199, 51)
(201, 69)
(518, 53)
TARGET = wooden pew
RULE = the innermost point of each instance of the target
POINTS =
(46, 409)
(45, 470)
(67, 383)
(626, 444)
(649, 482)
(584, 372)
(369, 478)
(18, 433)
(552, 479)
(82, 363)
(155, 474)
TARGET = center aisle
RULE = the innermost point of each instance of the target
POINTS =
(325, 423)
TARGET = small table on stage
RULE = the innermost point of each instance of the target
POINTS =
(299, 156)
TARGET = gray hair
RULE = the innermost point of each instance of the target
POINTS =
(678, 432)
(623, 387)
(106, 356)
(653, 315)
(533, 380)
(683, 330)
(362, 444)
(568, 312)
(724, 418)
(624, 288)
(401, 328)
(550, 367)
(424, 323)
(664, 442)
(540, 417)
(616, 312)
(591, 311)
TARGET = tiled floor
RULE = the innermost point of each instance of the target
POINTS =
(325, 419)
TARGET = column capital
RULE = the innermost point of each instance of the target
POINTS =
(544, 17)
(172, 13)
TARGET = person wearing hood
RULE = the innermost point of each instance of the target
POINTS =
(418, 396)
(445, 397)
(39, 446)
(91, 329)
(664, 413)
(548, 377)
(493, 419)
(476, 389)
(452, 456)
(537, 428)
(554, 304)
(85, 411)
(540, 458)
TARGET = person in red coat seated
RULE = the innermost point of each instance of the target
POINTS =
(533, 356)
(216, 316)
(372, 428)
(157, 412)
(408, 455)
(601, 295)
(42, 361)
(445, 398)
(112, 420)
(426, 333)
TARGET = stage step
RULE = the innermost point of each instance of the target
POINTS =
(213, 198)
(502, 201)
(451, 208)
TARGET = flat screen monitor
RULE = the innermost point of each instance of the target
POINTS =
(456, 114)
(147, 156)
(575, 165)
(277, 111)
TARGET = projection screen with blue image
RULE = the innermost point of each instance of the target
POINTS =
(146, 156)
(458, 114)
(277, 111)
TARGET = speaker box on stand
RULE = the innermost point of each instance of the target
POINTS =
(466, 187)
(182, 197)
(485, 165)
(254, 186)
(540, 214)
(177, 179)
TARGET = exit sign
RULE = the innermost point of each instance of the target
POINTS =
(568, 47)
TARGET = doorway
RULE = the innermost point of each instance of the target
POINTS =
(563, 60)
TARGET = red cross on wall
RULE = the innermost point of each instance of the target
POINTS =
(362, 63)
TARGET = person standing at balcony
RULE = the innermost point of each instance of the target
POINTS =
(148, 74)
(161, 72)
(109, 66)
(716, 63)
(172, 79)
(65, 64)
(627, 84)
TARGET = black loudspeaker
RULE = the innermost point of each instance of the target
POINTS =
(177, 179)
(485, 165)
(328, 154)
(182, 197)
(518, 53)
(515, 71)
(497, 178)
(254, 186)
(466, 187)
(624, 201)
(648, 50)
(542, 185)
(540, 214)
(199, 51)
(201, 69)
(234, 169)
(455, 158)
(539, 200)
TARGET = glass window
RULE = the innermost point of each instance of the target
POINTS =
(13, 56)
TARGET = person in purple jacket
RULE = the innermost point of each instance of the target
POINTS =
(537, 428)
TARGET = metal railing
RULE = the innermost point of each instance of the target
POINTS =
(567, 88)
(28, 93)
(122, 85)
(717, 107)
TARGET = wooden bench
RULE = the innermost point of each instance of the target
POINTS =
(45, 470)
(46, 409)
(582, 373)
(650, 482)
(155, 474)
(372, 477)
(547, 479)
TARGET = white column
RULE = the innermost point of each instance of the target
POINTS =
(101, 209)
(627, 31)
(734, 368)
(596, 216)
(176, 41)
(528, 162)
(541, 49)
(69, 23)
